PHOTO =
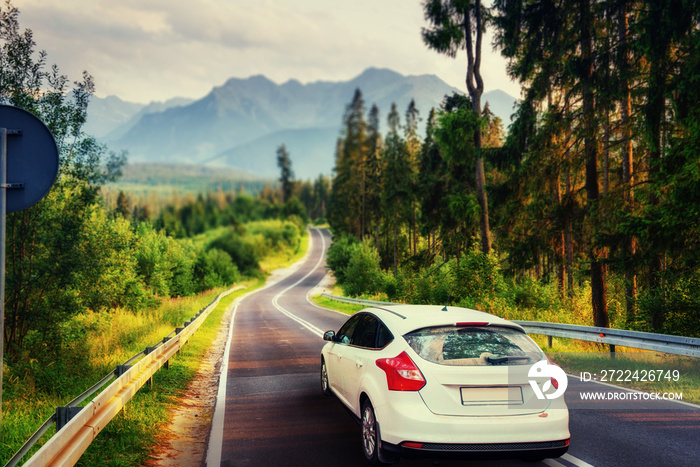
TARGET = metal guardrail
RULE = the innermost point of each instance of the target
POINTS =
(357, 301)
(676, 345)
(77, 427)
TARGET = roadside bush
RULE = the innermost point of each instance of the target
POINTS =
(164, 264)
(363, 275)
(529, 293)
(274, 234)
(434, 285)
(478, 276)
(296, 208)
(243, 251)
(678, 303)
(339, 254)
(214, 268)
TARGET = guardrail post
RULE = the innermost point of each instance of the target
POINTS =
(64, 415)
(167, 362)
(549, 341)
(148, 350)
(612, 350)
(121, 369)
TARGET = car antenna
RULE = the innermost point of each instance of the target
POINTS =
(447, 303)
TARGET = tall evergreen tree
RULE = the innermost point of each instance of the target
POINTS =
(413, 144)
(431, 184)
(350, 180)
(284, 162)
(374, 172)
(397, 174)
(123, 208)
(456, 25)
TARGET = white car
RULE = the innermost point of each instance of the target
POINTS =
(431, 381)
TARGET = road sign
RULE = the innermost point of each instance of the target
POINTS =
(32, 158)
(28, 169)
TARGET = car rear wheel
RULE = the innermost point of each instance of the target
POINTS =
(325, 385)
(370, 435)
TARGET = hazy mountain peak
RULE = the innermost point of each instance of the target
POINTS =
(377, 77)
(242, 122)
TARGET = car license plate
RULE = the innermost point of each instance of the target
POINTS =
(499, 395)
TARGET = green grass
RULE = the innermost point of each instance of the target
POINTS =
(166, 179)
(111, 339)
(129, 437)
(346, 308)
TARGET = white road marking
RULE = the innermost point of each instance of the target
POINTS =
(217, 425)
(575, 460)
(216, 437)
(312, 303)
(553, 463)
(291, 315)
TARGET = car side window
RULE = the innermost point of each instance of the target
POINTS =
(384, 336)
(366, 333)
(344, 336)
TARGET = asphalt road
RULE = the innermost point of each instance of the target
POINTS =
(272, 413)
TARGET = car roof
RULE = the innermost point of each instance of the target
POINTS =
(406, 318)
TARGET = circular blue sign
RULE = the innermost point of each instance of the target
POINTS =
(32, 158)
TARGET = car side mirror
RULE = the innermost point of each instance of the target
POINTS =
(329, 336)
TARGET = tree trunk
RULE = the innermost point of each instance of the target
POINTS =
(559, 246)
(396, 253)
(475, 86)
(598, 286)
(630, 248)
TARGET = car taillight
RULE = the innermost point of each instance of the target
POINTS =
(401, 373)
(554, 382)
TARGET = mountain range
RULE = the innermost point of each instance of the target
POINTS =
(242, 123)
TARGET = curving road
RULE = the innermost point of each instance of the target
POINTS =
(270, 410)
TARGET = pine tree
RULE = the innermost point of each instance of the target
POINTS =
(456, 25)
(284, 162)
(413, 148)
(123, 208)
(431, 185)
(349, 184)
(396, 184)
(374, 172)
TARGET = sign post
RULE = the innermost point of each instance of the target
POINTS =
(29, 160)
(3, 211)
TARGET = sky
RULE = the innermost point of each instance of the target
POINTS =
(153, 50)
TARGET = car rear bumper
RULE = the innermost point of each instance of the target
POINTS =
(406, 419)
(538, 450)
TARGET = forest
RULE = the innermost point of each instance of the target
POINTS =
(593, 191)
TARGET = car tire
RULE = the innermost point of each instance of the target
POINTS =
(325, 384)
(370, 435)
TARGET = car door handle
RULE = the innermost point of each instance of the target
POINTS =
(359, 363)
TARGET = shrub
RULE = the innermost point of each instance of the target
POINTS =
(478, 276)
(215, 268)
(339, 254)
(242, 251)
(678, 303)
(363, 275)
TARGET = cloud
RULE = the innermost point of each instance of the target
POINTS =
(144, 50)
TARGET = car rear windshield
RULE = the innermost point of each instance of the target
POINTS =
(474, 345)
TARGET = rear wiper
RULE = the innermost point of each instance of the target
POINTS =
(510, 358)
